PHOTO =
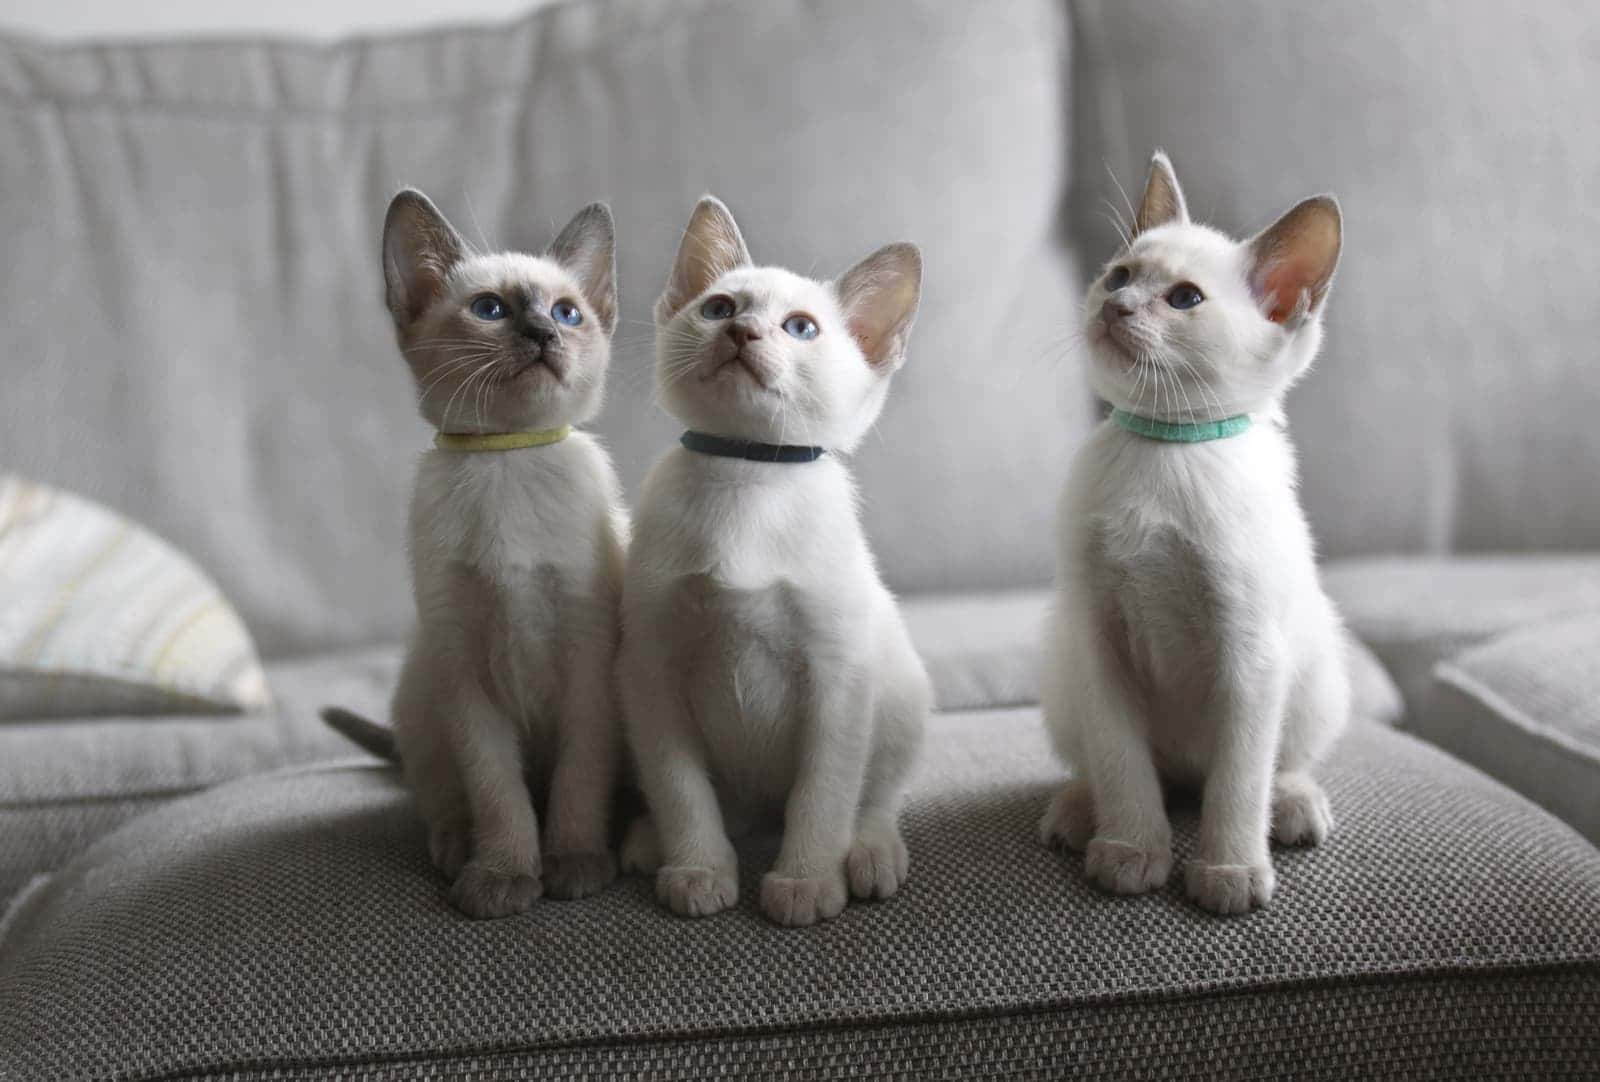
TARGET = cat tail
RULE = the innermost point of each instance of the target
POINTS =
(367, 735)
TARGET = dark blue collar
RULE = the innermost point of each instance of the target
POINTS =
(722, 447)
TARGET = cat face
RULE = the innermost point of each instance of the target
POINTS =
(1188, 324)
(759, 353)
(503, 342)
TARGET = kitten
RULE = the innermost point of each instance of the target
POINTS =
(766, 673)
(1191, 639)
(517, 533)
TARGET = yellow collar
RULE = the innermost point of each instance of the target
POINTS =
(500, 441)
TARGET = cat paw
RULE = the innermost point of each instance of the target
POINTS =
(1122, 868)
(485, 893)
(876, 865)
(1229, 889)
(800, 903)
(448, 848)
(696, 892)
(1068, 822)
(1301, 815)
(641, 850)
(577, 875)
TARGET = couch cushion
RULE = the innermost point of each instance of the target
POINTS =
(1526, 708)
(1416, 611)
(217, 205)
(1438, 419)
(288, 925)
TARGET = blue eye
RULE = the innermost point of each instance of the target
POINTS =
(489, 307)
(1185, 295)
(1117, 279)
(802, 327)
(718, 307)
(566, 312)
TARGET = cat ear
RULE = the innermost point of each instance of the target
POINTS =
(1163, 199)
(879, 296)
(419, 249)
(711, 246)
(588, 248)
(1293, 260)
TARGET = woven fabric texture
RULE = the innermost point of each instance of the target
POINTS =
(291, 921)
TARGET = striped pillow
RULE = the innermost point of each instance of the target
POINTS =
(98, 616)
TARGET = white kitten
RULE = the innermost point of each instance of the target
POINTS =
(1192, 640)
(516, 558)
(765, 670)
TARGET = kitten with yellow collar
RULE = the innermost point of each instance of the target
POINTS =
(517, 537)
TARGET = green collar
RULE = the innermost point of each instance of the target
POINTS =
(1193, 432)
(500, 441)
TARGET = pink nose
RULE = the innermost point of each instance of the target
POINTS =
(1114, 311)
(744, 330)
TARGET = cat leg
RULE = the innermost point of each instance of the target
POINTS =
(430, 768)
(1131, 848)
(807, 883)
(641, 848)
(1319, 706)
(698, 873)
(502, 877)
(578, 861)
(878, 861)
(1231, 871)
(1069, 820)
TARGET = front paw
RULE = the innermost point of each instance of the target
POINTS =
(694, 891)
(801, 902)
(1122, 868)
(485, 893)
(1301, 816)
(448, 847)
(877, 865)
(1229, 889)
(577, 875)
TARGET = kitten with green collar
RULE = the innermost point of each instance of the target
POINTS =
(1191, 639)
(505, 715)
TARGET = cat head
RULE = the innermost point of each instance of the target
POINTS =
(503, 342)
(1186, 323)
(760, 353)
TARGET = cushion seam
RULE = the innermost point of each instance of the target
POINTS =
(926, 1018)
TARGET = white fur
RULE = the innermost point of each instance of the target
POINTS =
(1191, 640)
(516, 560)
(766, 674)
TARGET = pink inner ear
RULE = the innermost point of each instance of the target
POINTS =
(1283, 283)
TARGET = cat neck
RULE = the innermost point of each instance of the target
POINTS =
(1181, 431)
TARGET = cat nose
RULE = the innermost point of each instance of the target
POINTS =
(1114, 311)
(744, 330)
(539, 332)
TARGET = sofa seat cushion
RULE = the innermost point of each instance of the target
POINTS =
(1525, 708)
(289, 926)
(1415, 611)
(65, 782)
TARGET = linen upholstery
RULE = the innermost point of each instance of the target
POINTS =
(98, 616)
(1415, 611)
(1452, 409)
(218, 205)
(1525, 708)
(1446, 918)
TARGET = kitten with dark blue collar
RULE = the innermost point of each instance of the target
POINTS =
(766, 674)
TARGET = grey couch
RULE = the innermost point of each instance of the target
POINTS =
(190, 300)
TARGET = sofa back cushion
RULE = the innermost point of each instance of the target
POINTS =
(1453, 405)
(191, 290)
